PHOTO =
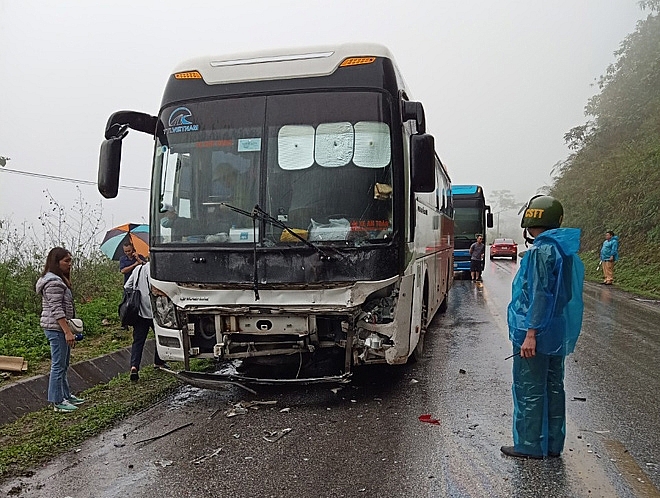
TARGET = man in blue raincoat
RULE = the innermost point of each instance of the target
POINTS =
(609, 254)
(545, 319)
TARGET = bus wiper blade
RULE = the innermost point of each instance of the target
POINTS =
(255, 273)
(238, 210)
(323, 256)
(258, 213)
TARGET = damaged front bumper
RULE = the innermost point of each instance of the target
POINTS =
(206, 380)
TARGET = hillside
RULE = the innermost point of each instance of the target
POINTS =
(611, 181)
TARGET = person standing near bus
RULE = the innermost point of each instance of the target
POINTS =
(54, 287)
(609, 254)
(477, 257)
(545, 319)
(139, 280)
(130, 260)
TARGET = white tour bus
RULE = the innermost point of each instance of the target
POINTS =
(301, 222)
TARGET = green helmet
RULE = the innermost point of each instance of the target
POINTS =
(542, 211)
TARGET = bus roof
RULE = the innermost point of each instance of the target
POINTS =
(280, 63)
(465, 189)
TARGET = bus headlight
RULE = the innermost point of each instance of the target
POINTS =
(163, 309)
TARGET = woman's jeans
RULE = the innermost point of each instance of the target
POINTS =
(140, 331)
(60, 354)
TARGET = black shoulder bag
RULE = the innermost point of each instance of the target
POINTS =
(129, 308)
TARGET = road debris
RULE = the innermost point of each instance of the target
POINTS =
(164, 463)
(579, 398)
(241, 408)
(285, 410)
(203, 458)
(414, 381)
(272, 436)
(163, 435)
(427, 418)
(461, 371)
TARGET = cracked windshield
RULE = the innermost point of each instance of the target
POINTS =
(320, 167)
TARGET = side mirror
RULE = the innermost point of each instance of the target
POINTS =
(422, 163)
(109, 160)
(414, 110)
(489, 220)
(115, 130)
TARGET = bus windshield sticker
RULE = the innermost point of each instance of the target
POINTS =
(372, 144)
(334, 144)
(180, 121)
(295, 147)
(249, 144)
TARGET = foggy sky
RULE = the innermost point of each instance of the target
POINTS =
(501, 82)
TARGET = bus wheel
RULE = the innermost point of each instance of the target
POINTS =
(443, 304)
(418, 352)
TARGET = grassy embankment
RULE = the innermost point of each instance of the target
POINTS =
(41, 435)
(630, 274)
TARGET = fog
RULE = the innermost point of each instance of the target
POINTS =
(501, 82)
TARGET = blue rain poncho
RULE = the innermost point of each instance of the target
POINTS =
(544, 297)
(610, 248)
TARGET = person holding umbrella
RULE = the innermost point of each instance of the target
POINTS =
(130, 260)
(127, 243)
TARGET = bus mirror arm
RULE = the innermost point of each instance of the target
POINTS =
(138, 121)
(414, 110)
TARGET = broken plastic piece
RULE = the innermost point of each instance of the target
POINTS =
(203, 458)
(272, 436)
(427, 418)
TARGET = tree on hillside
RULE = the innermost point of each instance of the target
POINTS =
(611, 179)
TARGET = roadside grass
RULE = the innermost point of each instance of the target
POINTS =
(31, 347)
(39, 436)
(630, 275)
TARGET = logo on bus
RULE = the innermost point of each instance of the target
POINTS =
(180, 121)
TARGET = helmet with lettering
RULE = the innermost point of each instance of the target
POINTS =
(542, 211)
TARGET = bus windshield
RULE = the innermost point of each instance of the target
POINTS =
(468, 222)
(318, 163)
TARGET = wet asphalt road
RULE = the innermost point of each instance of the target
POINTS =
(366, 440)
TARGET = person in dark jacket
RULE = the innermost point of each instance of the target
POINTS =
(130, 260)
(54, 285)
